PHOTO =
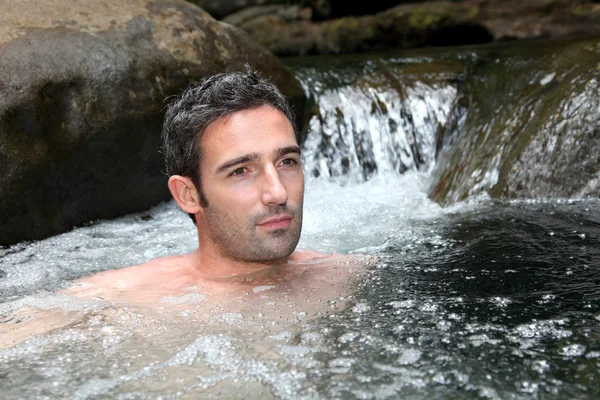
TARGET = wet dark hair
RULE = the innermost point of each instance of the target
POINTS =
(189, 114)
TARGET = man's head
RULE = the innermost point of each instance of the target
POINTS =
(234, 164)
(202, 103)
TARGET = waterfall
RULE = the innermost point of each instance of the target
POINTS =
(510, 120)
(373, 117)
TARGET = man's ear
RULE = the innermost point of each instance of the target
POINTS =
(185, 194)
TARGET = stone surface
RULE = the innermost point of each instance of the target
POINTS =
(222, 8)
(82, 90)
(527, 125)
(426, 23)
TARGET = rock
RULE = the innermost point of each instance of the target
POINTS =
(526, 126)
(429, 23)
(286, 13)
(343, 8)
(221, 8)
(82, 89)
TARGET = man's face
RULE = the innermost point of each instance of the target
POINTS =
(254, 184)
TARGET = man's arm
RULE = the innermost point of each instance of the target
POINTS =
(29, 322)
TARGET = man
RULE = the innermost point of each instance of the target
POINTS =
(234, 166)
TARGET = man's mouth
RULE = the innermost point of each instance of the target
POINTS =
(280, 222)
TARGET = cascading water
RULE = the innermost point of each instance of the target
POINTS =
(481, 299)
(371, 116)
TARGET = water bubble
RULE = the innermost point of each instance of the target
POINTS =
(529, 387)
(574, 350)
(540, 366)
(543, 329)
(593, 355)
(340, 365)
(408, 357)
(283, 336)
(443, 325)
(478, 340)
(311, 337)
(455, 317)
(429, 307)
(488, 393)
(348, 337)
(402, 304)
(361, 308)
(228, 318)
(191, 298)
(258, 289)
(500, 301)
(547, 298)
(296, 351)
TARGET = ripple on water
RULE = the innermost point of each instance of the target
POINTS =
(189, 298)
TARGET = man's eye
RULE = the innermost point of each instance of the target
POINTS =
(239, 172)
(289, 162)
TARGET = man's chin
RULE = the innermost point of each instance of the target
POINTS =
(279, 251)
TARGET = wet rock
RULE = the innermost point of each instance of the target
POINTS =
(429, 23)
(221, 8)
(283, 12)
(82, 89)
(527, 125)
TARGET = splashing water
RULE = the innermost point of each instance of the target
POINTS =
(481, 300)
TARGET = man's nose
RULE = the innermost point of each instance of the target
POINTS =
(274, 193)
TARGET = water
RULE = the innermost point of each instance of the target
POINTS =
(482, 299)
(374, 115)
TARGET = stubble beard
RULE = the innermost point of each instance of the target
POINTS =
(247, 242)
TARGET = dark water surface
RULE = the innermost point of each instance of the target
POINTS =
(509, 307)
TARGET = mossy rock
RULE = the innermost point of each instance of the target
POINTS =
(530, 125)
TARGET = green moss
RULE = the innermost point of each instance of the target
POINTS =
(473, 12)
(350, 31)
(345, 24)
(422, 20)
(580, 11)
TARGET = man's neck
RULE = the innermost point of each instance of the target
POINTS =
(215, 266)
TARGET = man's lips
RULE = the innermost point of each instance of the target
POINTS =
(279, 222)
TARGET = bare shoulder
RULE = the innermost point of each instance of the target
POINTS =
(128, 278)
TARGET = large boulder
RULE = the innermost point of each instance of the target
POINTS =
(82, 94)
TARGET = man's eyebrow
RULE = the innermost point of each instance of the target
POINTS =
(240, 160)
(287, 150)
(255, 156)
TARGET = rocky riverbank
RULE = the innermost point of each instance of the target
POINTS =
(290, 28)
